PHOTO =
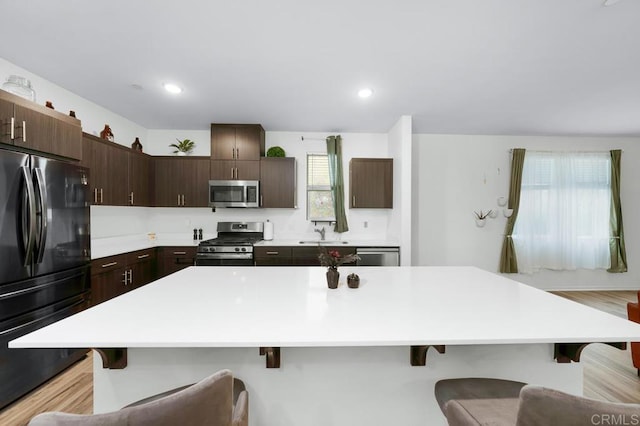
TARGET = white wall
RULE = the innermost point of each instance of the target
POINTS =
(455, 175)
(159, 140)
(400, 217)
(92, 115)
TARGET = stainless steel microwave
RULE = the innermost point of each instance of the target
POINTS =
(234, 193)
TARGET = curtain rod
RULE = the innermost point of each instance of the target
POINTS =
(302, 138)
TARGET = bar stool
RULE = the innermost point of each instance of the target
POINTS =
(477, 401)
(212, 401)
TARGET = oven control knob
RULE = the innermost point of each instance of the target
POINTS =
(244, 249)
(237, 249)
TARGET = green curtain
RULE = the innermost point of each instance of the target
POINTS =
(616, 242)
(334, 151)
(508, 260)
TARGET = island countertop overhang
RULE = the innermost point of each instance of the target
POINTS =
(292, 307)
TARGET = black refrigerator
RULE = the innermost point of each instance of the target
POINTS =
(44, 262)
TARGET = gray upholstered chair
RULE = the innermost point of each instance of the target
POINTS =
(212, 402)
(477, 401)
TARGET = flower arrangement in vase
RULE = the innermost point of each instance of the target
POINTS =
(332, 259)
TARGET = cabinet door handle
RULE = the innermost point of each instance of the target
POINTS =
(180, 253)
(130, 276)
(106, 265)
(354, 201)
(232, 173)
(131, 198)
(24, 131)
(233, 153)
(143, 256)
(183, 199)
(124, 278)
(95, 195)
(101, 196)
(178, 199)
(261, 200)
(13, 128)
(273, 253)
(237, 153)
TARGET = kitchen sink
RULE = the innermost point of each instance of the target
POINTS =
(325, 242)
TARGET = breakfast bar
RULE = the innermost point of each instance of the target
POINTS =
(310, 355)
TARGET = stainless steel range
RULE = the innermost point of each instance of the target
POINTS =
(233, 247)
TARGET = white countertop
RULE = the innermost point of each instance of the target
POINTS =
(103, 247)
(312, 243)
(292, 307)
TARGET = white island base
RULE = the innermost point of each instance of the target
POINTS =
(322, 386)
(345, 353)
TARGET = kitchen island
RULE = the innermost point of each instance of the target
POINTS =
(337, 357)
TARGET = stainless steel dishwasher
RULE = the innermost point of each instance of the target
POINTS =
(378, 256)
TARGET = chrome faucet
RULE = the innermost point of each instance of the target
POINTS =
(321, 231)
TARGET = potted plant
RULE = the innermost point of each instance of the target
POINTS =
(481, 217)
(275, 151)
(183, 147)
(332, 259)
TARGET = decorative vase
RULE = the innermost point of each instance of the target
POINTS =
(332, 277)
(353, 281)
(136, 145)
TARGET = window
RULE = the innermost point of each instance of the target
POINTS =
(563, 217)
(319, 195)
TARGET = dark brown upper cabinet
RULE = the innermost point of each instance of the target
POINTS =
(235, 169)
(119, 176)
(237, 141)
(108, 164)
(141, 179)
(28, 125)
(236, 150)
(181, 181)
(278, 182)
(371, 183)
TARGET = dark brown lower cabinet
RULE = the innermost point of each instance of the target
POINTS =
(272, 256)
(115, 275)
(142, 267)
(308, 256)
(173, 259)
(108, 278)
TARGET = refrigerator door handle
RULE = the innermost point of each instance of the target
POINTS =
(29, 202)
(44, 207)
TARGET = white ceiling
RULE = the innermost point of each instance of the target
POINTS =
(523, 67)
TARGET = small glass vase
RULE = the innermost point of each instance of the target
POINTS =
(332, 277)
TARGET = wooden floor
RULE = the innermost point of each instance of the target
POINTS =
(608, 372)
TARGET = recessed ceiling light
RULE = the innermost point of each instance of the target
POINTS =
(365, 93)
(172, 88)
